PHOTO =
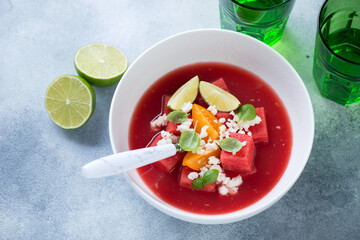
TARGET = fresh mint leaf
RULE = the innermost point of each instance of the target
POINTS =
(230, 144)
(210, 176)
(177, 116)
(198, 183)
(246, 112)
(189, 140)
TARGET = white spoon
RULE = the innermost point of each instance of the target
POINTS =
(125, 161)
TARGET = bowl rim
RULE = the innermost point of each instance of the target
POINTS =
(225, 217)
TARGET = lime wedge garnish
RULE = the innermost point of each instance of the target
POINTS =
(70, 101)
(186, 93)
(99, 64)
(213, 95)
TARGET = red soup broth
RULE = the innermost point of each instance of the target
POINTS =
(271, 159)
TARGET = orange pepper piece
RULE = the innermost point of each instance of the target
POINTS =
(205, 118)
(197, 161)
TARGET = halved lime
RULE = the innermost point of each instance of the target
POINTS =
(186, 93)
(213, 95)
(70, 101)
(100, 64)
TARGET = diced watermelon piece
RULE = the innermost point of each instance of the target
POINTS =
(220, 83)
(259, 131)
(243, 160)
(172, 128)
(225, 115)
(165, 109)
(169, 163)
(185, 182)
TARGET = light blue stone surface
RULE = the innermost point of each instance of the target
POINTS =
(42, 192)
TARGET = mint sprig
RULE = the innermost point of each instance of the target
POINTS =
(246, 112)
(230, 144)
(177, 116)
(209, 177)
(189, 140)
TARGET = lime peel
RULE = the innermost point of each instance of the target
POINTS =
(70, 101)
(186, 93)
(100, 64)
(215, 96)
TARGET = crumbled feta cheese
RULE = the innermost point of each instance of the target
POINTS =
(235, 117)
(217, 167)
(214, 160)
(193, 175)
(202, 171)
(222, 128)
(199, 151)
(249, 133)
(226, 180)
(211, 145)
(186, 107)
(223, 190)
(223, 132)
(203, 132)
(202, 143)
(185, 126)
(159, 121)
(222, 120)
(244, 143)
(230, 185)
(212, 109)
(167, 138)
(235, 181)
(233, 190)
(232, 126)
(246, 124)
(165, 134)
(164, 141)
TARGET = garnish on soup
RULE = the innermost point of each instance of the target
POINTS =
(230, 158)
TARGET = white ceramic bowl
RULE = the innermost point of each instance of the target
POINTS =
(220, 46)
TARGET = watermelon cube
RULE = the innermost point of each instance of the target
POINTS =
(243, 160)
(185, 182)
(169, 163)
(220, 83)
(259, 131)
(165, 101)
(225, 115)
(172, 128)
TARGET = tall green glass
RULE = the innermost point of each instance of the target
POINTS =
(262, 19)
(337, 51)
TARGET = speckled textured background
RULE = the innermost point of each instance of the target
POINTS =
(42, 192)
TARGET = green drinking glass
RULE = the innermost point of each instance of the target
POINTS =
(262, 19)
(337, 51)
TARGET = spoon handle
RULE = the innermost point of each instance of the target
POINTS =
(125, 161)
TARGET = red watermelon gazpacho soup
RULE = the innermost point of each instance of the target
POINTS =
(233, 129)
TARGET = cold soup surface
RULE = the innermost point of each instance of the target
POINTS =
(271, 158)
